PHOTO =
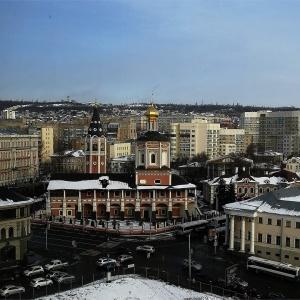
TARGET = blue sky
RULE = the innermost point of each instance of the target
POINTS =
(123, 50)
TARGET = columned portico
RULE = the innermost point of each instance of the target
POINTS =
(231, 239)
(242, 249)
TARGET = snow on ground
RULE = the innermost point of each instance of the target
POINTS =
(130, 288)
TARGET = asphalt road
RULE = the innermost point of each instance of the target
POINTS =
(165, 263)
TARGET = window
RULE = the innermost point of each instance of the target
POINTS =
(157, 181)
(287, 242)
(278, 240)
(60, 212)
(11, 232)
(153, 158)
(69, 212)
(178, 193)
(286, 256)
(296, 258)
(127, 193)
(258, 251)
(297, 243)
(142, 158)
(288, 224)
(277, 254)
(259, 238)
(249, 235)
(297, 224)
(269, 239)
(268, 253)
(269, 221)
(117, 193)
(278, 222)
(260, 220)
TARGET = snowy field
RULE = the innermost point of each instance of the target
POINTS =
(130, 288)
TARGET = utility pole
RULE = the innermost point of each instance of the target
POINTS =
(190, 259)
(46, 234)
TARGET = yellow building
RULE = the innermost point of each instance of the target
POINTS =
(120, 149)
(267, 226)
(47, 148)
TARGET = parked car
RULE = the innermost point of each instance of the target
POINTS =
(145, 248)
(125, 258)
(195, 266)
(34, 270)
(102, 262)
(54, 274)
(65, 278)
(41, 281)
(9, 290)
(238, 283)
(56, 264)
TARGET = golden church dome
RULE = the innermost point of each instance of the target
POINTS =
(152, 112)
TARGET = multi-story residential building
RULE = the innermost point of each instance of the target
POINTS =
(231, 141)
(47, 144)
(19, 161)
(151, 192)
(267, 226)
(8, 114)
(277, 131)
(293, 164)
(119, 149)
(166, 119)
(70, 161)
(247, 186)
(14, 225)
(127, 129)
(190, 139)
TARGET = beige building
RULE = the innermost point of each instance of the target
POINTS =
(47, 146)
(18, 158)
(267, 226)
(190, 139)
(231, 141)
(14, 225)
(127, 129)
(119, 149)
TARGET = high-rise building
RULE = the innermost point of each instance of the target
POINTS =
(95, 146)
(47, 143)
(190, 139)
(277, 131)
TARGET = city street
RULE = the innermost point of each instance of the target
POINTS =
(167, 260)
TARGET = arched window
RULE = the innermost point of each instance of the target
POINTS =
(11, 232)
(3, 234)
(153, 158)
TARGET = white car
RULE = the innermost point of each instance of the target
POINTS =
(34, 270)
(9, 290)
(195, 266)
(65, 278)
(102, 262)
(124, 258)
(55, 274)
(41, 281)
(145, 248)
(56, 264)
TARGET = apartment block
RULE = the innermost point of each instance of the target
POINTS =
(231, 141)
(19, 162)
(190, 139)
(120, 149)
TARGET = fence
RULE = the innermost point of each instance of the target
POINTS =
(145, 272)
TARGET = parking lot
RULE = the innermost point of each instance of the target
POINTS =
(166, 263)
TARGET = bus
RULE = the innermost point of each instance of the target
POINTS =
(273, 267)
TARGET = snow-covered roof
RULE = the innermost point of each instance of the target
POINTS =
(274, 180)
(8, 198)
(69, 153)
(282, 202)
(86, 185)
